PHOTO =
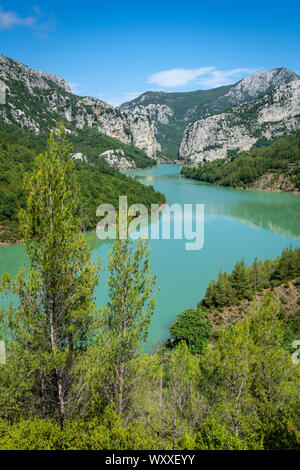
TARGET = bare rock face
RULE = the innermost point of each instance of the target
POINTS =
(172, 112)
(37, 101)
(10, 68)
(259, 83)
(159, 112)
(116, 159)
(79, 157)
(142, 128)
(275, 114)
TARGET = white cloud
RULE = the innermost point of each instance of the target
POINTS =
(177, 77)
(206, 76)
(76, 88)
(40, 23)
(221, 77)
(9, 19)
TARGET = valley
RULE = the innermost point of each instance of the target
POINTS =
(128, 344)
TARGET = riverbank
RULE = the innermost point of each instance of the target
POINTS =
(269, 182)
(17, 242)
(274, 182)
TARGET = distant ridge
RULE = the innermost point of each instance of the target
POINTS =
(172, 112)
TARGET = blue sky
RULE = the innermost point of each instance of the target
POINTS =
(115, 50)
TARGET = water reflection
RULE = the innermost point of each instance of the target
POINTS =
(280, 218)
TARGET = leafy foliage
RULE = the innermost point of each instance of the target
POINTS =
(193, 328)
(75, 377)
(54, 318)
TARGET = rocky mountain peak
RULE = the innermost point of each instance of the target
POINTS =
(270, 116)
(172, 112)
(37, 101)
(11, 69)
(259, 83)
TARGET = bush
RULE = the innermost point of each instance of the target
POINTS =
(109, 433)
(193, 328)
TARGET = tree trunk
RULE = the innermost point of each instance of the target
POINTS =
(121, 389)
(59, 385)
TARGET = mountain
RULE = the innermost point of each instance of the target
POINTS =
(37, 101)
(172, 112)
(274, 114)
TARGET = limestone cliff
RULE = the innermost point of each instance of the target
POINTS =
(117, 159)
(276, 113)
(37, 101)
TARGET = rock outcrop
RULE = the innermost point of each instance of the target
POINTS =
(79, 157)
(275, 114)
(117, 159)
(161, 113)
(37, 101)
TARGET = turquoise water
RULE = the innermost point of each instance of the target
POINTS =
(238, 224)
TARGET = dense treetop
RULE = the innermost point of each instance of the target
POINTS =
(242, 169)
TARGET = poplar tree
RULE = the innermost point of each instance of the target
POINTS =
(53, 321)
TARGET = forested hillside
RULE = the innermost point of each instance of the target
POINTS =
(280, 158)
(229, 298)
(98, 182)
(38, 101)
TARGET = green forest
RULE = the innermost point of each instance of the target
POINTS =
(242, 169)
(76, 376)
(97, 181)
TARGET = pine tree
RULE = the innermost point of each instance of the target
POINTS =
(224, 295)
(53, 321)
(240, 280)
(127, 316)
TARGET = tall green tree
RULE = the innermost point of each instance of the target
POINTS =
(191, 327)
(240, 280)
(127, 316)
(54, 318)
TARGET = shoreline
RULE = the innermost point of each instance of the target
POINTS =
(161, 207)
(264, 190)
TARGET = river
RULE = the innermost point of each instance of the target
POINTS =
(238, 224)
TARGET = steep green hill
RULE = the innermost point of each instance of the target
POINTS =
(98, 182)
